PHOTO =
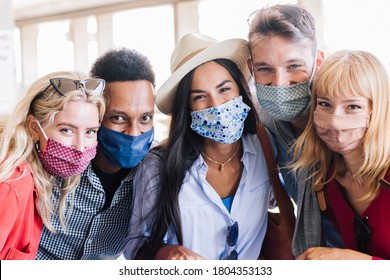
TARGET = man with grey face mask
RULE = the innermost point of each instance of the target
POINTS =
(284, 59)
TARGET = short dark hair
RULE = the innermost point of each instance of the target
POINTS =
(123, 65)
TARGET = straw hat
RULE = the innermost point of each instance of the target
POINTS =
(193, 50)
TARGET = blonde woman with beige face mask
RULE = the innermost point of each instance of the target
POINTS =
(349, 132)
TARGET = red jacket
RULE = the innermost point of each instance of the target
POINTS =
(20, 222)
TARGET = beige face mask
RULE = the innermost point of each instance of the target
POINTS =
(341, 133)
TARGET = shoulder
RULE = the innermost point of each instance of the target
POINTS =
(19, 186)
(149, 169)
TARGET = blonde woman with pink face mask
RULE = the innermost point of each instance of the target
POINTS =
(48, 140)
(349, 134)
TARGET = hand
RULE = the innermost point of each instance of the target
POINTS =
(177, 252)
(324, 253)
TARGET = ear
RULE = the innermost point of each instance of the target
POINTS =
(33, 127)
(250, 66)
(320, 59)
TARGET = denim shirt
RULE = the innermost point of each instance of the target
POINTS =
(204, 217)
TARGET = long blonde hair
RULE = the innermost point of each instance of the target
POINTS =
(350, 73)
(17, 144)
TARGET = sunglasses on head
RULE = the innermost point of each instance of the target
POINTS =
(362, 233)
(63, 86)
(231, 240)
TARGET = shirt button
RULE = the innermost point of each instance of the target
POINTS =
(90, 241)
(101, 195)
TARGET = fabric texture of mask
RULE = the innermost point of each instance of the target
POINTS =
(64, 161)
(223, 123)
(341, 133)
(285, 103)
(124, 150)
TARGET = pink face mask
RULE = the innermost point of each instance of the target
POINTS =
(64, 161)
(341, 133)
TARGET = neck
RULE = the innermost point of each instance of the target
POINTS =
(101, 162)
(220, 154)
(352, 162)
(300, 123)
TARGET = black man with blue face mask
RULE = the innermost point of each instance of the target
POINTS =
(98, 224)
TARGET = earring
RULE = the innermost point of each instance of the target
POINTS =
(37, 146)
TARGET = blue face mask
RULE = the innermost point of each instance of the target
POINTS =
(124, 150)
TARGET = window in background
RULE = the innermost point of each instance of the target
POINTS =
(55, 51)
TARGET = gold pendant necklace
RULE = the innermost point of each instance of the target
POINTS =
(222, 164)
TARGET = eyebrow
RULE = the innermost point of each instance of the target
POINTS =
(217, 86)
(294, 60)
(75, 127)
(348, 100)
(223, 83)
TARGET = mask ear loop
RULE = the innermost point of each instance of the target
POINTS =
(43, 132)
(313, 69)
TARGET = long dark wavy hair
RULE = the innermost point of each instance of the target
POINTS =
(181, 149)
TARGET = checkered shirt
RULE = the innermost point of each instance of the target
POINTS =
(92, 233)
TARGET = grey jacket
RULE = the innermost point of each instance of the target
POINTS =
(308, 229)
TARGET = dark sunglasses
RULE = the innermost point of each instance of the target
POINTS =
(231, 240)
(362, 233)
(63, 86)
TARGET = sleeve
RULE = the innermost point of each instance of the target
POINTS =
(8, 211)
(146, 188)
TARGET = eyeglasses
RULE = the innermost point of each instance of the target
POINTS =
(231, 240)
(362, 233)
(63, 86)
(292, 14)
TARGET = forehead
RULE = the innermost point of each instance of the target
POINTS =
(275, 49)
(129, 94)
(78, 113)
(210, 71)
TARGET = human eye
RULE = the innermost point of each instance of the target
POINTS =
(197, 97)
(264, 69)
(224, 89)
(323, 104)
(66, 130)
(354, 107)
(147, 118)
(116, 119)
(91, 132)
(295, 66)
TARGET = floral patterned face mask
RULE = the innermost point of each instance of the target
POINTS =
(223, 123)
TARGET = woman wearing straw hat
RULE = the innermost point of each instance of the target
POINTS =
(206, 188)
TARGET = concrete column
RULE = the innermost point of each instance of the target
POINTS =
(78, 34)
(29, 49)
(315, 8)
(7, 58)
(105, 37)
(186, 18)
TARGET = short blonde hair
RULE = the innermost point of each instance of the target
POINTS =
(350, 73)
(17, 144)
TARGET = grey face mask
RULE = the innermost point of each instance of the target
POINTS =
(285, 103)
